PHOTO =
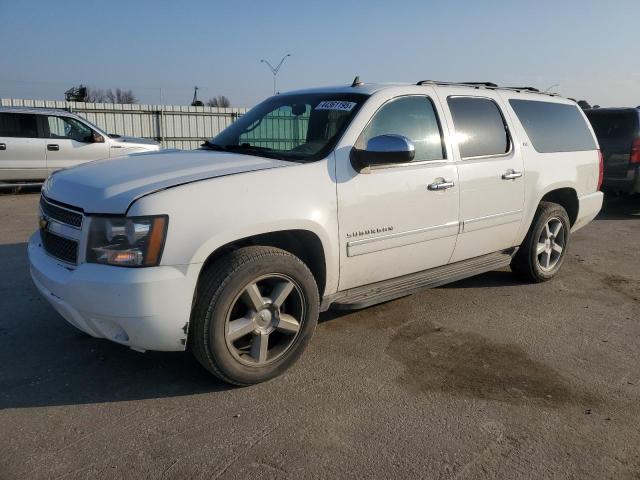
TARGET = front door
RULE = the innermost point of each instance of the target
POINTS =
(71, 142)
(391, 222)
(491, 173)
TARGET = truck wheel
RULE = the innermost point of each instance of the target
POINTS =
(544, 249)
(255, 312)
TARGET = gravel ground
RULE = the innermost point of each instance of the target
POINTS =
(484, 378)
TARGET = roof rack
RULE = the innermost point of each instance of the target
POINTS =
(528, 89)
(468, 84)
(489, 85)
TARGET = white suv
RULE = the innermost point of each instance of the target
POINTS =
(342, 197)
(34, 142)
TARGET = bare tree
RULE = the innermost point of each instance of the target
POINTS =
(219, 101)
(95, 95)
(120, 96)
(99, 95)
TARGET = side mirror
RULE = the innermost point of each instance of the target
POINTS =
(97, 138)
(384, 150)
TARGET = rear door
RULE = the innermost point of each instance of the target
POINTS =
(22, 152)
(70, 142)
(490, 170)
(616, 131)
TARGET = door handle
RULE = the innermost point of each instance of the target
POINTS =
(53, 147)
(3, 146)
(440, 185)
(511, 175)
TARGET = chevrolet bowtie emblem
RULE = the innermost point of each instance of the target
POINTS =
(43, 223)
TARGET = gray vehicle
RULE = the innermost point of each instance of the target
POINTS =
(618, 133)
(34, 142)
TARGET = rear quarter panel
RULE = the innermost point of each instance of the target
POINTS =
(545, 172)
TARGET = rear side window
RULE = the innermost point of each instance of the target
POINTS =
(480, 128)
(554, 127)
(614, 125)
(20, 125)
(415, 118)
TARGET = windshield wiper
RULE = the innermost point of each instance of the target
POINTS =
(246, 146)
(213, 146)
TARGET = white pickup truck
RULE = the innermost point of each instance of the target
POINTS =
(333, 197)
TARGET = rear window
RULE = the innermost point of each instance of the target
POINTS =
(614, 125)
(480, 128)
(18, 125)
(554, 127)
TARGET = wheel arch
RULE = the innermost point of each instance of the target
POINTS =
(567, 198)
(304, 244)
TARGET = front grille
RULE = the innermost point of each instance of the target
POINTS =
(60, 247)
(62, 215)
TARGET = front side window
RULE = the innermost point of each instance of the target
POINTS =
(20, 125)
(553, 127)
(299, 127)
(413, 117)
(68, 128)
(480, 128)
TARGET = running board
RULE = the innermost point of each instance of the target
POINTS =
(361, 297)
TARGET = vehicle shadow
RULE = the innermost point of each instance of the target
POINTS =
(44, 361)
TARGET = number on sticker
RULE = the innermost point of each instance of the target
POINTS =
(336, 105)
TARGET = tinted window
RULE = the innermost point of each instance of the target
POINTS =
(18, 125)
(66, 127)
(554, 127)
(480, 127)
(614, 125)
(413, 117)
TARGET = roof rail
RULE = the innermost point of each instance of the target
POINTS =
(469, 84)
(528, 89)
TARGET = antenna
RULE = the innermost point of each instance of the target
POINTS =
(356, 82)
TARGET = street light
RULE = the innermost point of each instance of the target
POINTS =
(554, 85)
(275, 70)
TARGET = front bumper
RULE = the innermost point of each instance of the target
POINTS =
(143, 308)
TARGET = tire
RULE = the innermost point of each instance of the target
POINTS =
(530, 263)
(245, 335)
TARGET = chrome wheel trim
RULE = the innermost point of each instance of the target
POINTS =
(551, 244)
(264, 319)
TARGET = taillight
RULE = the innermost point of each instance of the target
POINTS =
(600, 169)
(635, 151)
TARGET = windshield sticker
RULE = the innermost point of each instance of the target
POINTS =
(336, 105)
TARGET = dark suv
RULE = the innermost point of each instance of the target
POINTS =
(618, 132)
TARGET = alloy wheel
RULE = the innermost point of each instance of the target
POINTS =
(551, 244)
(264, 319)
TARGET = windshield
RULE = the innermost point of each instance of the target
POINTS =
(302, 127)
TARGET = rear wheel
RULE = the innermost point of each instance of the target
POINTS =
(544, 249)
(255, 312)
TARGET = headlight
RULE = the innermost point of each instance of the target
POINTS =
(127, 242)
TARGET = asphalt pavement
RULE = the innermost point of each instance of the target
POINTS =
(485, 378)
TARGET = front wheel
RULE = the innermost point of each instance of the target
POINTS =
(256, 310)
(544, 249)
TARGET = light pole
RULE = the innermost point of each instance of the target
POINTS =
(275, 70)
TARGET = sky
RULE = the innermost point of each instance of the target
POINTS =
(586, 49)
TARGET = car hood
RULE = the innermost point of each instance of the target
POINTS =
(111, 185)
